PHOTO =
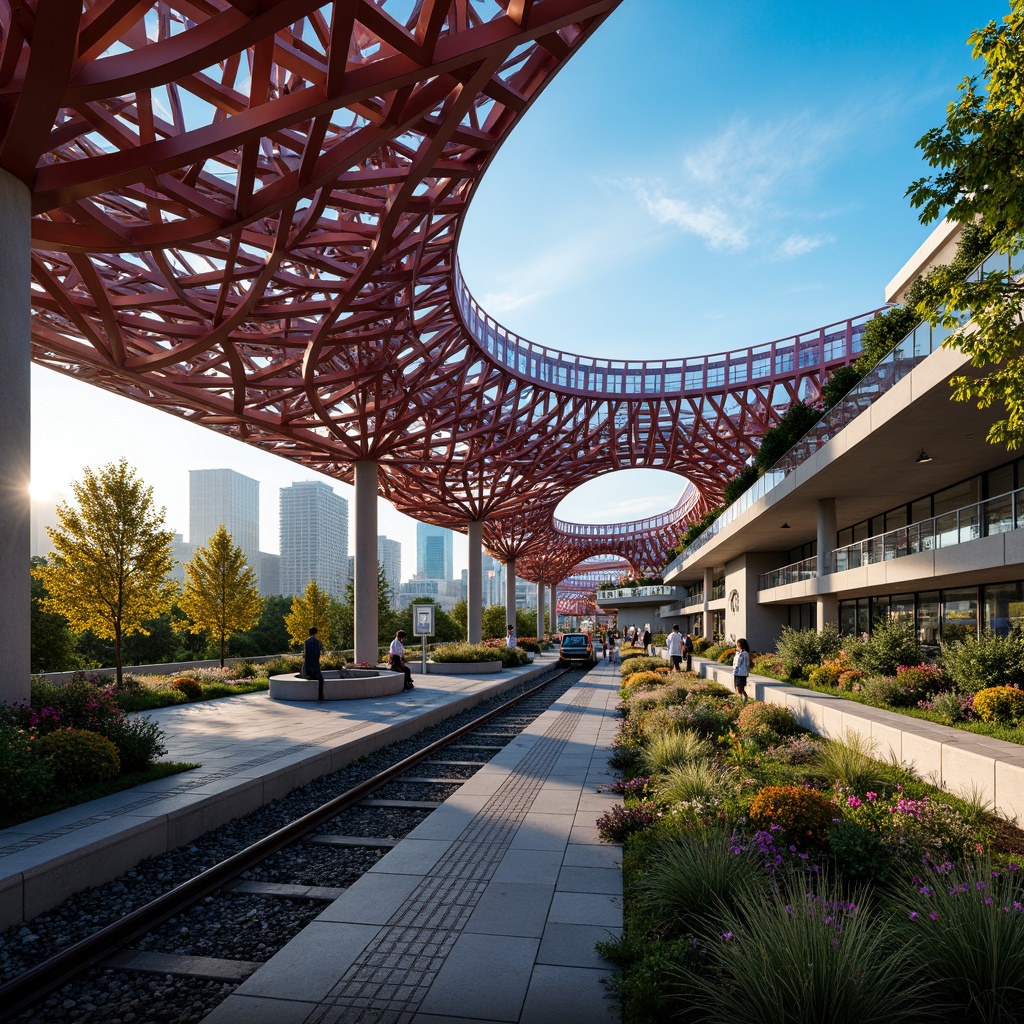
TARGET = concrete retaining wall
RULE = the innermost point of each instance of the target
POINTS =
(960, 762)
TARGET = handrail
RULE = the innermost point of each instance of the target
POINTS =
(796, 572)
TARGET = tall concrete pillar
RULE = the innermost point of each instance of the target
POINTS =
(554, 607)
(827, 604)
(475, 590)
(15, 440)
(709, 583)
(510, 592)
(365, 584)
(540, 610)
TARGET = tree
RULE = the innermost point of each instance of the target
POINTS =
(978, 155)
(460, 615)
(113, 557)
(343, 620)
(221, 596)
(314, 608)
(446, 629)
(54, 646)
(493, 623)
(269, 636)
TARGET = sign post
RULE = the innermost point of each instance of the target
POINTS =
(423, 626)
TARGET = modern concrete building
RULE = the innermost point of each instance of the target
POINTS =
(434, 559)
(182, 552)
(893, 505)
(222, 496)
(270, 574)
(389, 555)
(314, 539)
(43, 514)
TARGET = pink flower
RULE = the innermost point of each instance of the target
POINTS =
(854, 801)
(871, 797)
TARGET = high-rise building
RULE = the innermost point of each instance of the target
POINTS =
(270, 574)
(181, 551)
(314, 539)
(493, 574)
(389, 555)
(223, 497)
(434, 560)
(43, 515)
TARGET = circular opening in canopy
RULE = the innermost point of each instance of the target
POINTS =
(622, 496)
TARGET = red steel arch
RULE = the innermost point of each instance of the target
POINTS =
(246, 212)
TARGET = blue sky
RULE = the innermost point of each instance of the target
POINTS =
(693, 181)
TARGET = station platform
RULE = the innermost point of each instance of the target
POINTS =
(251, 749)
(487, 912)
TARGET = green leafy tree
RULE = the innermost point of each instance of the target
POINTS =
(113, 558)
(493, 622)
(54, 645)
(460, 614)
(314, 608)
(269, 635)
(221, 596)
(343, 615)
(446, 629)
(977, 155)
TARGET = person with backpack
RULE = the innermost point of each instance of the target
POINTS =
(688, 651)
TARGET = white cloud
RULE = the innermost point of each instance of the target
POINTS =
(746, 188)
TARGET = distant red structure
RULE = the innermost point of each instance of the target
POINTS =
(246, 214)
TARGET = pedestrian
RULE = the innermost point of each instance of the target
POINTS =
(741, 667)
(688, 651)
(675, 648)
(396, 657)
(311, 651)
(647, 638)
(609, 646)
(510, 640)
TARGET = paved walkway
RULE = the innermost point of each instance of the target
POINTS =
(487, 912)
(251, 750)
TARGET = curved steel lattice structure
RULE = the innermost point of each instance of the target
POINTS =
(245, 213)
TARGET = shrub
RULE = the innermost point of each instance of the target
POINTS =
(247, 670)
(768, 665)
(189, 687)
(858, 851)
(725, 658)
(641, 663)
(511, 657)
(797, 750)
(804, 816)
(702, 781)
(448, 653)
(625, 653)
(84, 702)
(990, 660)
(892, 691)
(893, 642)
(26, 776)
(850, 679)
(766, 722)
(850, 763)
(637, 681)
(951, 706)
(801, 648)
(966, 932)
(700, 644)
(693, 876)
(666, 750)
(710, 716)
(79, 757)
(824, 675)
(999, 704)
(619, 822)
(139, 742)
(803, 957)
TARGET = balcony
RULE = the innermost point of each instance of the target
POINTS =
(984, 519)
(647, 594)
(798, 572)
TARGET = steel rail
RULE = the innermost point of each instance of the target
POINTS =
(42, 979)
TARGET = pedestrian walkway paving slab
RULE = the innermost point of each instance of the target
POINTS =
(491, 915)
(251, 750)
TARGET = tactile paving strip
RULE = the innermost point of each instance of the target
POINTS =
(389, 980)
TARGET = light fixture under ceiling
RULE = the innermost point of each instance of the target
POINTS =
(923, 457)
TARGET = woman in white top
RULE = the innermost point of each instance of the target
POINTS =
(510, 640)
(741, 667)
(396, 655)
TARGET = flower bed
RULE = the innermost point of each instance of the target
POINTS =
(767, 869)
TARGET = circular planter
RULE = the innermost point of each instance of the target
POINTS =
(461, 668)
(358, 683)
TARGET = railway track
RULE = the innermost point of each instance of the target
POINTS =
(175, 956)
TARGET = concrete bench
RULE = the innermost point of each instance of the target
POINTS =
(350, 684)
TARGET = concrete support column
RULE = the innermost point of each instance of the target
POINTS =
(15, 434)
(827, 604)
(475, 589)
(540, 611)
(365, 584)
(709, 582)
(554, 607)
(510, 592)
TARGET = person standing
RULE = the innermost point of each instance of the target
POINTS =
(311, 651)
(510, 640)
(688, 651)
(647, 638)
(396, 656)
(741, 667)
(675, 648)
(609, 646)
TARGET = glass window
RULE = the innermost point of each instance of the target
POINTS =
(879, 609)
(928, 618)
(921, 510)
(1003, 606)
(901, 607)
(847, 617)
(896, 518)
(999, 481)
(863, 615)
(876, 526)
(844, 537)
(860, 531)
(959, 613)
(956, 496)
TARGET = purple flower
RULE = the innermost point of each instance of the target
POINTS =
(726, 936)
(913, 915)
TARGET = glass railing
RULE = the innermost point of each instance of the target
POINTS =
(697, 598)
(627, 592)
(920, 343)
(718, 590)
(806, 569)
(984, 519)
